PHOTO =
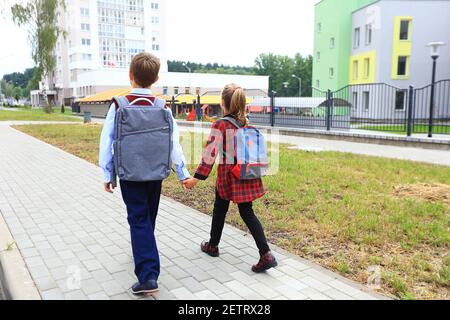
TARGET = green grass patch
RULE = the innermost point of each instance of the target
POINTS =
(337, 209)
(28, 114)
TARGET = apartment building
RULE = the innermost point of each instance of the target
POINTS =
(102, 38)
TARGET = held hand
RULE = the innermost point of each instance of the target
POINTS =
(109, 187)
(190, 183)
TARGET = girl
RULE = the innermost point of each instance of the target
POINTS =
(229, 188)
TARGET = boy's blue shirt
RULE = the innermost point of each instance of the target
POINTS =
(106, 159)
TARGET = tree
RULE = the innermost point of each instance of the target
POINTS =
(17, 93)
(180, 66)
(280, 70)
(7, 89)
(41, 17)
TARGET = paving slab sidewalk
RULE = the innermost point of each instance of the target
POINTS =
(74, 238)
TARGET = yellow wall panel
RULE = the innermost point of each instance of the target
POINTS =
(362, 76)
(401, 47)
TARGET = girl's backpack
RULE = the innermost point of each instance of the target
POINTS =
(143, 140)
(250, 152)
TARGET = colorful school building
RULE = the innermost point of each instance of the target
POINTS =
(384, 41)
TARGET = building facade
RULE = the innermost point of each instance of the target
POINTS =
(332, 42)
(389, 54)
(368, 41)
(393, 48)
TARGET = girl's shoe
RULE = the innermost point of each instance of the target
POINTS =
(266, 262)
(209, 250)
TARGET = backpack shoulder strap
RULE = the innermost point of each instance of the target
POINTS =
(120, 102)
(233, 121)
(161, 103)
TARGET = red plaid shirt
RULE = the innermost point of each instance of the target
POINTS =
(228, 187)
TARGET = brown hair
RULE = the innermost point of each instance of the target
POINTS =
(145, 69)
(235, 102)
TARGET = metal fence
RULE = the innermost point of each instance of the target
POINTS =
(376, 107)
(368, 107)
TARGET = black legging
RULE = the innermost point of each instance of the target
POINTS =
(246, 210)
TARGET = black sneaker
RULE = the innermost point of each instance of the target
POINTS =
(150, 286)
(266, 262)
(209, 250)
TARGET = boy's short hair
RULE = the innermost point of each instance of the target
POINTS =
(145, 69)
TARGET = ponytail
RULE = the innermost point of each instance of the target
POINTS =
(235, 102)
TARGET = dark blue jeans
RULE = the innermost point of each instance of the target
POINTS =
(142, 201)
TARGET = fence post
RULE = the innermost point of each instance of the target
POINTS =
(198, 109)
(272, 108)
(329, 109)
(411, 103)
(173, 105)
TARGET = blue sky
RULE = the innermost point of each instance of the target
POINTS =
(224, 31)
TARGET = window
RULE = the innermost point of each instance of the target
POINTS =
(187, 90)
(319, 27)
(165, 91)
(355, 70)
(366, 68)
(356, 38)
(366, 100)
(369, 31)
(318, 84)
(87, 57)
(400, 100)
(155, 6)
(332, 43)
(402, 65)
(85, 27)
(331, 72)
(176, 90)
(355, 100)
(86, 42)
(318, 56)
(404, 29)
(155, 47)
(84, 12)
(155, 20)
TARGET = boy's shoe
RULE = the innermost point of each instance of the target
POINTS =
(150, 286)
(209, 250)
(266, 262)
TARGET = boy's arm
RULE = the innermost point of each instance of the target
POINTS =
(178, 156)
(106, 160)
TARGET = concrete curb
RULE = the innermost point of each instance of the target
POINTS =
(14, 275)
(389, 140)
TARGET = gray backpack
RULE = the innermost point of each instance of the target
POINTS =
(143, 140)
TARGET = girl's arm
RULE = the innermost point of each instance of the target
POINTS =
(213, 148)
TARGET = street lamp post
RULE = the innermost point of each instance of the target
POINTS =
(434, 55)
(299, 84)
(286, 86)
(190, 74)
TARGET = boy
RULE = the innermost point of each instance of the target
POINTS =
(141, 198)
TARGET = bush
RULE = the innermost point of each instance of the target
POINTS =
(63, 109)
